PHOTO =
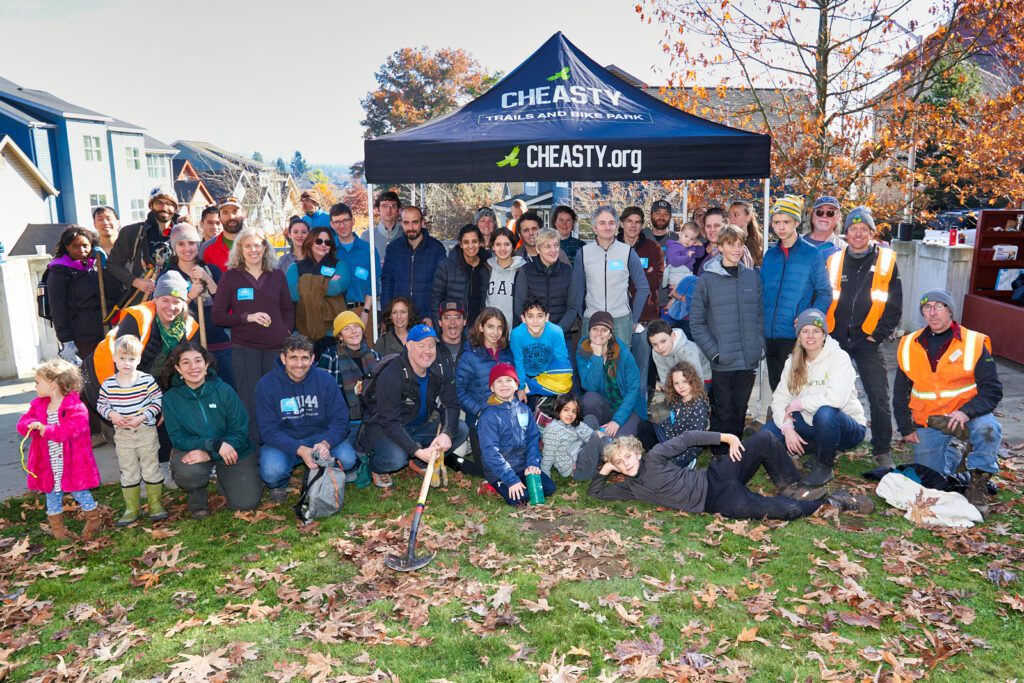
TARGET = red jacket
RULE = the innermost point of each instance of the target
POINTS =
(72, 430)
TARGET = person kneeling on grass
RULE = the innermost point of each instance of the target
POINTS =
(510, 439)
(300, 413)
(722, 487)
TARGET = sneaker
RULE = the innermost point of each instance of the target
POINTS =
(848, 502)
(165, 469)
(382, 481)
(485, 489)
(351, 475)
(279, 495)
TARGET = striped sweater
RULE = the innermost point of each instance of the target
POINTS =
(141, 397)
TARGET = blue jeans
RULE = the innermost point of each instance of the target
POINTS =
(831, 431)
(55, 501)
(276, 466)
(985, 434)
(387, 456)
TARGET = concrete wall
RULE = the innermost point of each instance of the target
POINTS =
(25, 339)
(929, 266)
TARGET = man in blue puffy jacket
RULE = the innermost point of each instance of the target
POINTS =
(410, 263)
(793, 279)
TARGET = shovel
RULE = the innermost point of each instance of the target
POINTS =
(409, 562)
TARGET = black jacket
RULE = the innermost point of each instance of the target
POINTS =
(456, 279)
(75, 301)
(396, 401)
(553, 285)
(855, 301)
(128, 261)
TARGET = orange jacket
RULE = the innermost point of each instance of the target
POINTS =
(144, 315)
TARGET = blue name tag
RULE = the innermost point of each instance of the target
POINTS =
(289, 405)
(326, 271)
(615, 264)
(245, 293)
(362, 273)
(643, 263)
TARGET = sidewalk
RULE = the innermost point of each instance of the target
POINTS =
(15, 396)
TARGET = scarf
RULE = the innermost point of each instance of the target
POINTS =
(169, 338)
(611, 385)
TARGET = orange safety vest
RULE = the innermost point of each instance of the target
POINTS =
(885, 264)
(952, 384)
(144, 315)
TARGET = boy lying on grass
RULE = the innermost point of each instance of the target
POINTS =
(722, 487)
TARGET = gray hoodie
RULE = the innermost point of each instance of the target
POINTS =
(682, 350)
(501, 286)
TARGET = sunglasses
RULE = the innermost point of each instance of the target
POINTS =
(821, 213)
(321, 241)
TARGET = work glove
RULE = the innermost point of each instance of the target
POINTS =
(69, 352)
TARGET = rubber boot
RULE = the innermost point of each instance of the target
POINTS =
(821, 473)
(977, 491)
(154, 494)
(131, 505)
(93, 523)
(57, 528)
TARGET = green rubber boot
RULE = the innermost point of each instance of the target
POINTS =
(154, 494)
(131, 505)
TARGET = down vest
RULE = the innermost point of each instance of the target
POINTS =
(456, 279)
(410, 272)
(730, 332)
(551, 284)
(792, 283)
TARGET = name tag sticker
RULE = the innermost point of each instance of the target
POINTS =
(615, 264)
(955, 356)
(523, 418)
(213, 405)
(362, 273)
(643, 262)
(289, 405)
(326, 271)
(245, 293)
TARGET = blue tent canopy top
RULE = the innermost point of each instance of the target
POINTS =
(562, 116)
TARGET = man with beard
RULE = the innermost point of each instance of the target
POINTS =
(315, 216)
(661, 218)
(232, 219)
(132, 255)
(410, 263)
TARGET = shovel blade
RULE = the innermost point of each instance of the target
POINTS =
(403, 563)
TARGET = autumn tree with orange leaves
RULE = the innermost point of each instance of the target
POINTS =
(843, 87)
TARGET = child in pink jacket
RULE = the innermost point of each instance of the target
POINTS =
(60, 457)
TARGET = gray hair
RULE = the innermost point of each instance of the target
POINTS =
(546, 235)
(604, 208)
(236, 258)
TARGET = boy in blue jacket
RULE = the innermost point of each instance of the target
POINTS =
(539, 353)
(510, 439)
(299, 411)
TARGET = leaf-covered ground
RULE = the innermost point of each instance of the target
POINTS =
(574, 590)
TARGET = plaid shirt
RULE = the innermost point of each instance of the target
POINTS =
(349, 370)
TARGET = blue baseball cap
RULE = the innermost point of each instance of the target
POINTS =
(421, 332)
(826, 201)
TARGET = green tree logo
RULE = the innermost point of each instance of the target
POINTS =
(560, 75)
(511, 159)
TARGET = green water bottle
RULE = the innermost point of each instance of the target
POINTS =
(535, 489)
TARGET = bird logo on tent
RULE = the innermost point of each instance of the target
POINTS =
(512, 159)
(563, 75)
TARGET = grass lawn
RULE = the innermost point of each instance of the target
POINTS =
(573, 590)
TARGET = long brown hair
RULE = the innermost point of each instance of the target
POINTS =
(753, 242)
(476, 333)
(414, 316)
(691, 377)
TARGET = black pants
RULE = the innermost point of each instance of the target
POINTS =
(473, 463)
(870, 362)
(249, 366)
(239, 483)
(729, 496)
(776, 351)
(730, 395)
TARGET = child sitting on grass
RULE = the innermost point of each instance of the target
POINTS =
(571, 446)
(509, 439)
(688, 410)
(131, 401)
(722, 487)
(60, 457)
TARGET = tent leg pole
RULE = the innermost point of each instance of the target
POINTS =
(686, 200)
(373, 261)
(767, 225)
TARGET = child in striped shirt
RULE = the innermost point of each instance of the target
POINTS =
(131, 401)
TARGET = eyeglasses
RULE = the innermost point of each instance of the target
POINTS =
(321, 241)
(933, 308)
(821, 213)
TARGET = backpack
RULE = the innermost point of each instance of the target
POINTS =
(370, 383)
(323, 490)
(43, 298)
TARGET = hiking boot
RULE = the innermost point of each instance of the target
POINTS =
(131, 505)
(57, 528)
(93, 523)
(154, 496)
(382, 481)
(279, 494)
(977, 491)
(820, 474)
(884, 460)
(797, 491)
(848, 502)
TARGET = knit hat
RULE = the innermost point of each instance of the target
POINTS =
(791, 205)
(938, 296)
(602, 318)
(826, 200)
(164, 191)
(661, 204)
(812, 316)
(346, 318)
(450, 305)
(860, 214)
(173, 284)
(502, 370)
(311, 195)
(184, 232)
(420, 332)
(231, 201)
(482, 212)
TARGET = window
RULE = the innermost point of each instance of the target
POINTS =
(93, 151)
(138, 210)
(157, 167)
(134, 158)
(97, 200)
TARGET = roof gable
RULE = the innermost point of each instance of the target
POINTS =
(10, 151)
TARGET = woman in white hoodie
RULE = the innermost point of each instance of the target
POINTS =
(503, 266)
(816, 405)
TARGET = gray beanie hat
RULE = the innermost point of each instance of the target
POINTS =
(485, 211)
(811, 316)
(940, 296)
(173, 284)
(184, 232)
(860, 214)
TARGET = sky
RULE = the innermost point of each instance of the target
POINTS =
(258, 76)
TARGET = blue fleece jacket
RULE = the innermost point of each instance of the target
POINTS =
(357, 256)
(792, 283)
(509, 441)
(627, 375)
(291, 414)
(318, 219)
(533, 355)
(472, 376)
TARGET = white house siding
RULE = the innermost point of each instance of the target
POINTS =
(88, 177)
(23, 201)
(129, 183)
